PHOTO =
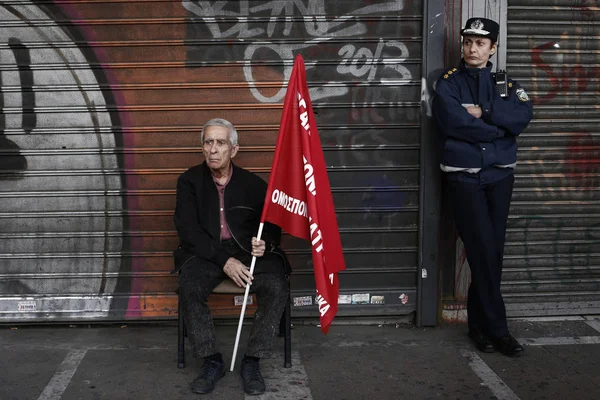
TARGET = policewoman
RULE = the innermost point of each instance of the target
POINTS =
(479, 114)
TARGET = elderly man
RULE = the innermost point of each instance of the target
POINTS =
(479, 116)
(217, 213)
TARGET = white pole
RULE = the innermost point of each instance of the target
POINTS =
(239, 331)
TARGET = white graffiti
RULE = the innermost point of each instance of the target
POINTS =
(371, 64)
(56, 241)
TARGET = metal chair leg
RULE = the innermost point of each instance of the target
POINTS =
(180, 336)
(282, 324)
(288, 334)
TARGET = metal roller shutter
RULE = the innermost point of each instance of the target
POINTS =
(101, 109)
(552, 262)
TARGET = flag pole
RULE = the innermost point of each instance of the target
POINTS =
(239, 330)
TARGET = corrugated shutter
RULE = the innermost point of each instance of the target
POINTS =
(61, 193)
(552, 260)
(102, 106)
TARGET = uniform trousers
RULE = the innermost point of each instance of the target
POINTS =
(199, 277)
(481, 214)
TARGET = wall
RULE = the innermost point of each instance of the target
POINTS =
(102, 105)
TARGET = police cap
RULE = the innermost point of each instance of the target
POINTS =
(481, 27)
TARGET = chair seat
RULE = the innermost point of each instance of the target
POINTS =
(228, 287)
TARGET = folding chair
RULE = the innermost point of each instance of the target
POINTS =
(229, 287)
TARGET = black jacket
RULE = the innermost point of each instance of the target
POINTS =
(485, 142)
(197, 216)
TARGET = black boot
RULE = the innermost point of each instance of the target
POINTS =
(508, 346)
(212, 370)
(482, 342)
(251, 376)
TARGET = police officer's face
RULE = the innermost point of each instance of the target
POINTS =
(477, 51)
(217, 148)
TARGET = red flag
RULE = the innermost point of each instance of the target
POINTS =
(299, 196)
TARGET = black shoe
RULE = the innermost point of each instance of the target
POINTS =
(508, 346)
(211, 372)
(482, 342)
(251, 376)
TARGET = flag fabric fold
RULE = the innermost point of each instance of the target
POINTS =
(299, 197)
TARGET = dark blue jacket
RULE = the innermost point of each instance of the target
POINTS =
(485, 142)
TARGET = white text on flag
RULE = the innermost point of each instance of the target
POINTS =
(291, 204)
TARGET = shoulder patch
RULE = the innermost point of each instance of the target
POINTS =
(449, 73)
(522, 95)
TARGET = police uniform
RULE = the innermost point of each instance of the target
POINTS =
(478, 158)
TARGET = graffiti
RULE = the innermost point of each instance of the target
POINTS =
(13, 160)
(562, 79)
(51, 214)
(573, 179)
(554, 231)
(265, 36)
(382, 63)
(99, 118)
(587, 9)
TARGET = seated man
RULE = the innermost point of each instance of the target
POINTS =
(218, 211)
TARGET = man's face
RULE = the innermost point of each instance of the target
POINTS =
(217, 148)
(477, 51)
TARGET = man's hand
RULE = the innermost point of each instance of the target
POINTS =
(474, 111)
(258, 247)
(238, 272)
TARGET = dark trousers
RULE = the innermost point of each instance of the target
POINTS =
(198, 279)
(481, 213)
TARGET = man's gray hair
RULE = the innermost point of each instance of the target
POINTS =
(233, 135)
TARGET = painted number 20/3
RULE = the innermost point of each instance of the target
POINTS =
(362, 61)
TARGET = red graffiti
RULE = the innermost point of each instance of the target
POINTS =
(587, 9)
(583, 161)
(562, 79)
(538, 63)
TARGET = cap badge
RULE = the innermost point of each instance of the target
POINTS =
(477, 24)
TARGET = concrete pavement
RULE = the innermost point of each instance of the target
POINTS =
(352, 362)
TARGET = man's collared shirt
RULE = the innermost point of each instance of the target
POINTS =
(225, 232)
